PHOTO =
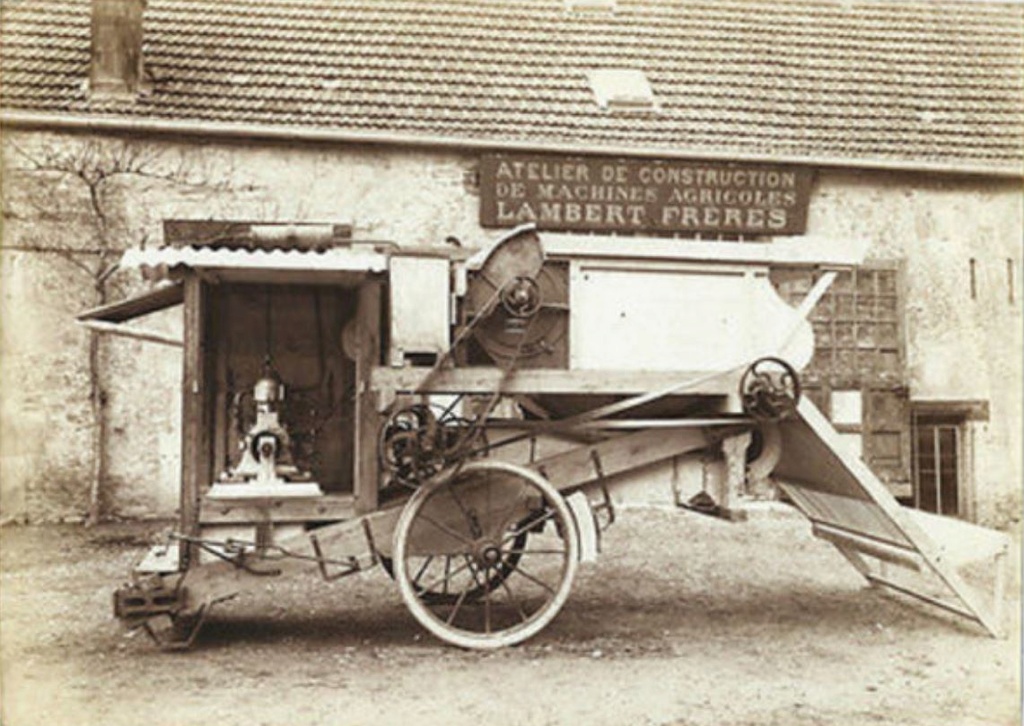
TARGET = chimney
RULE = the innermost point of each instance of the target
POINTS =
(116, 69)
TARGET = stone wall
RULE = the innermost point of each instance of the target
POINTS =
(958, 347)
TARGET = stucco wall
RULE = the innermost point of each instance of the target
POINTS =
(957, 348)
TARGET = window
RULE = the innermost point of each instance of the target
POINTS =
(622, 89)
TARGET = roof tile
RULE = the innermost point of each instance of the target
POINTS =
(907, 80)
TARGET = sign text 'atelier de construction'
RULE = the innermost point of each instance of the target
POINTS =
(635, 195)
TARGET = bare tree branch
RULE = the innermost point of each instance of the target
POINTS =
(100, 168)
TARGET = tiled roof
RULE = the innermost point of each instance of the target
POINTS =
(906, 81)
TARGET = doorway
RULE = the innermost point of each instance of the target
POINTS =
(939, 464)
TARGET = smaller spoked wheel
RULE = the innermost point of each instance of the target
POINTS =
(485, 557)
(415, 444)
(407, 445)
(770, 389)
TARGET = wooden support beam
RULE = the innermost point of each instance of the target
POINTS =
(145, 303)
(325, 508)
(367, 338)
(150, 336)
(194, 436)
(624, 424)
(547, 381)
(891, 584)
(843, 538)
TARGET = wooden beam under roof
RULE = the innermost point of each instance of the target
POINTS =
(145, 303)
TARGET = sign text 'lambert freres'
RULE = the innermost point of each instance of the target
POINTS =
(634, 195)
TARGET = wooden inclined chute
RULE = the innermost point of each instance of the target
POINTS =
(850, 507)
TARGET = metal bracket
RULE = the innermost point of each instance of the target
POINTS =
(321, 562)
(606, 504)
(193, 622)
(238, 558)
(351, 565)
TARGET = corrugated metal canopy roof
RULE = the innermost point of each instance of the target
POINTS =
(337, 263)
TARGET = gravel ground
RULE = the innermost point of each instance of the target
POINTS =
(684, 620)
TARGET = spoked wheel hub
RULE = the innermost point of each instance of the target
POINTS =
(488, 555)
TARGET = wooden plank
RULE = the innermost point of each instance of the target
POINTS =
(221, 350)
(367, 337)
(328, 507)
(548, 381)
(623, 424)
(892, 584)
(206, 471)
(870, 546)
(812, 298)
(150, 336)
(138, 305)
(627, 452)
(194, 470)
(802, 250)
(856, 560)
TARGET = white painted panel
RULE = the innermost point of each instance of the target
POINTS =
(420, 299)
(650, 317)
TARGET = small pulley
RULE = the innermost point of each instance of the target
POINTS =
(520, 297)
(770, 389)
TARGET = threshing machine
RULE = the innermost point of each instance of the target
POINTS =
(469, 419)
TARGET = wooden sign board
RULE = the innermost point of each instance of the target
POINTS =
(603, 194)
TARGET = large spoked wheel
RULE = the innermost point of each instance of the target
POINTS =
(485, 558)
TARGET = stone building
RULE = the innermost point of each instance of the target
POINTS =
(442, 121)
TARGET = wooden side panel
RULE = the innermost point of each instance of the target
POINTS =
(420, 295)
(618, 455)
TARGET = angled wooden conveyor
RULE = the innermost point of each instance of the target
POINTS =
(851, 508)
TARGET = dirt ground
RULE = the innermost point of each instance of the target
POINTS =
(683, 621)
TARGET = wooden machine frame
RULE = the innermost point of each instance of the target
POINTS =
(449, 503)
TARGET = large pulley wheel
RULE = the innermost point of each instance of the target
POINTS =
(770, 389)
(485, 557)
